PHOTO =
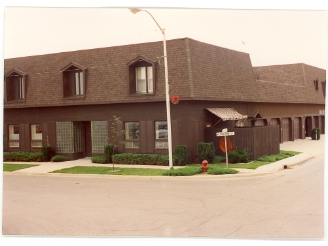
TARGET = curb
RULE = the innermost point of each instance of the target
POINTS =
(285, 163)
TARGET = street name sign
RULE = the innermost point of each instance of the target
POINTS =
(222, 134)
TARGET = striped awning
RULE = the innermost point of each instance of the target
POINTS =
(227, 113)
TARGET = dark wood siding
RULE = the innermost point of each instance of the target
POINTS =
(258, 141)
(260, 122)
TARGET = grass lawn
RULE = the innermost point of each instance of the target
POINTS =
(109, 170)
(251, 165)
(263, 160)
(185, 171)
(189, 170)
(14, 167)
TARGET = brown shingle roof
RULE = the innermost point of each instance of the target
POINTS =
(197, 71)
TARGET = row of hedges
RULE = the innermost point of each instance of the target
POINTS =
(143, 159)
(180, 158)
(46, 154)
(31, 157)
(206, 151)
(23, 156)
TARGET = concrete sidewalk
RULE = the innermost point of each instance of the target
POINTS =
(309, 148)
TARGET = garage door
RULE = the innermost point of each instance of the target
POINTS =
(285, 125)
(297, 128)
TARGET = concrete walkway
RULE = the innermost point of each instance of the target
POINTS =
(309, 148)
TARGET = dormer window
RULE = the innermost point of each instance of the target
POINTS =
(316, 84)
(144, 80)
(324, 88)
(73, 81)
(141, 76)
(15, 86)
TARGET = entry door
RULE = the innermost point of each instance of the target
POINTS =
(87, 139)
(199, 133)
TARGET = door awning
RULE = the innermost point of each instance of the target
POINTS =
(227, 113)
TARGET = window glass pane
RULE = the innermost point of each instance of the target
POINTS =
(81, 84)
(36, 144)
(132, 144)
(77, 83)
(161, 129)
(131, 130)
(141, 80)
(36, 132)
(161, 145)
(150, 79)
(73, 82)
(15, 87)
(13, 132)
(13, 144)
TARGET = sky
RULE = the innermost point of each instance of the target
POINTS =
(292, 34)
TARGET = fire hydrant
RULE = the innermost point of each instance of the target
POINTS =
(204, 165)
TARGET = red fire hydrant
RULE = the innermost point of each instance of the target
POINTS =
(204, 165)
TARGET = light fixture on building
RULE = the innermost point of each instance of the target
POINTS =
(175, 100)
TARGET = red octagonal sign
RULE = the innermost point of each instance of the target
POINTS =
(222, 144)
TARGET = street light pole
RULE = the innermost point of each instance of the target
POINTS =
(167, 96)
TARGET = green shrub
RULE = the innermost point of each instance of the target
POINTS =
(109, 152)
(220, 171)
(181, 154)
(23, 156)
(47, 153)
(238, 156)
(59, 158)
(142, 159)
(206, 151)
(315, 133)
(266, 158)
(187, 171)
(218, 159)
(98, 159)
(280, 156)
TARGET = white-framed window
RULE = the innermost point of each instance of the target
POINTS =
(13, 136)
(36, 135)
(144, 80)
(161, 135)
(131, 135)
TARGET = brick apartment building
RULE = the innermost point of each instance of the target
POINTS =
(68, 100)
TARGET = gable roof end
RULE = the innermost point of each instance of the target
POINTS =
(140, 58)
(72, 64)
(15, 70)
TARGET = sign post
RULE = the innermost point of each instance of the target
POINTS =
(224, 134)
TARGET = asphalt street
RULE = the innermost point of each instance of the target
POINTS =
(276, 203)
(285, 204)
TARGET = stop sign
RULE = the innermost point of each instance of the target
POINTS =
(222, 144)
